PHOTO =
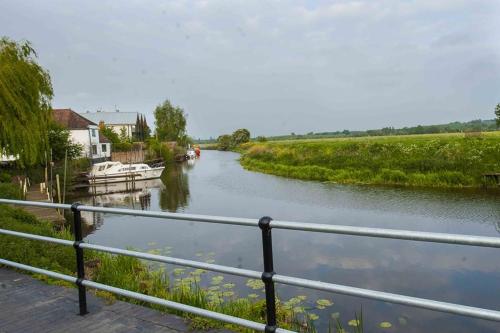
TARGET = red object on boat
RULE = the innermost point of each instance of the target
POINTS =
(197, 151)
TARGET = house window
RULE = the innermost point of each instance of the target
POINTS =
(103, 148)
(94, 149)
(93, 133)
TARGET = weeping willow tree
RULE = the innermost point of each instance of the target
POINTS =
(25, 95)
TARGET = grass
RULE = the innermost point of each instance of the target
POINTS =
(429, 160)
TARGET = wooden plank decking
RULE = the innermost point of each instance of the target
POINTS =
(29, 305)
(48, 214)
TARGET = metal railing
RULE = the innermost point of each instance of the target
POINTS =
(268, 276)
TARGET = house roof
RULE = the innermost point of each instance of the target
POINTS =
(70, 119)
(112, 118)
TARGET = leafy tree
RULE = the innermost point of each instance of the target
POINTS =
(60, 142)
(123, 135)
(116, 140)
(240, 136)
(261, 138)
(497, 114)
(25, 96)
(170, 122)
(224, 142)
(109, 133)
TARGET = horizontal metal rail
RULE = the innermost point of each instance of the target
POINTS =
(37, 237)
(434, 237)
(391, 298)
(423, 236)
(149, 299)
(288, 280)
(35, 203)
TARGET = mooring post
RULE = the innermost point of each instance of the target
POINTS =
(267, 275)
(77, 227)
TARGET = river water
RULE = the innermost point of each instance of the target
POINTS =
(217, 185)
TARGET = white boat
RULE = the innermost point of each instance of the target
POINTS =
(190, 154)
(110, 172)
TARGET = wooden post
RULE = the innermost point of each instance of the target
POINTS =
(64, 179)
(58, 189)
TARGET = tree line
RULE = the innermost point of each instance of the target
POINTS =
(227, 141)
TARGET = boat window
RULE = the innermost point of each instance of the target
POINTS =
(109, 166)
(102, 167)
(132, 169)
(144, 167)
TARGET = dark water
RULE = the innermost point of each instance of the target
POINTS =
(216, 184)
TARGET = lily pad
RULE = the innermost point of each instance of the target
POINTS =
(179, 271)
(210, 261)
(253, 295)
(313, 316)
(385, 324)
(198, 271)
(335, 315)
(217, 279)
(228, 293)
(324, 302)
(353, 322)
(228, 285)
(255, 284)
(403, 321)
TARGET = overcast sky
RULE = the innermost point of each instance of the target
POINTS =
(273, 67)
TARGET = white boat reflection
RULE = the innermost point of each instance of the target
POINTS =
(135, 195)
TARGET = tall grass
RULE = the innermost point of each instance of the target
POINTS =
(427, 160)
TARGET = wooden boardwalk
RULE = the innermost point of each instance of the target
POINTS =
(48, 214)
(29, 305)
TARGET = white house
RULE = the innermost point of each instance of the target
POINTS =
(84, 132)
(116, 120)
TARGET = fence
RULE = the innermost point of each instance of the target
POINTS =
(133, 156)
(268, 276)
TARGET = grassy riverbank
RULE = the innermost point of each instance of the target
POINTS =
(441, 160)
(133, 274)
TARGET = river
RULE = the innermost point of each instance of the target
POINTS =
(217, 185)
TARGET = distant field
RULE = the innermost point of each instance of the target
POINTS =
(438, 160)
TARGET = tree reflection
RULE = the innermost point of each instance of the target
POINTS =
(175, 194)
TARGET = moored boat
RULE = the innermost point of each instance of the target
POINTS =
(111, 172)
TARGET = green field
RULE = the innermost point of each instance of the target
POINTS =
(435, 160)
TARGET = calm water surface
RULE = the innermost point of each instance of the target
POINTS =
(216, 184)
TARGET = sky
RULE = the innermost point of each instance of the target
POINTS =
(274, 67)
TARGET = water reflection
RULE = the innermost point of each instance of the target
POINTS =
(172, 187)
(174, 195)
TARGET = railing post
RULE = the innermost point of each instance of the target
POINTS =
(267, 275)
(77, 227)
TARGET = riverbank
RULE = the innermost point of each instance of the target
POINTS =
(441, 160)
(131, 274)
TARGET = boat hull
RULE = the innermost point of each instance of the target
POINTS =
(126, 176)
